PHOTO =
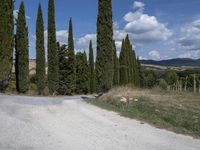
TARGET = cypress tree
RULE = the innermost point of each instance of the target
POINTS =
(123, 65)
(40, 52)
(53, 67)
(6, 42)
(82, 73)
(116, 66)
(104, 61)
(22, 52)
(63, 74)
(71, 68)
(91, 67)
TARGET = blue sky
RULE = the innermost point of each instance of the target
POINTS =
(159, 29)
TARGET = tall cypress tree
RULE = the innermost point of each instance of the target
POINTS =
(53, 67)
(40, 52)
(71, 68)
(6, 42)
(123, 65)
(91, 67)
(22, 52)
(116, 66)
(104, 61)
(82, 73)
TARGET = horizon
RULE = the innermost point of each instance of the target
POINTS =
(158, 31)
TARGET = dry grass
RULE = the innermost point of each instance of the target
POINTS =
(178, 112)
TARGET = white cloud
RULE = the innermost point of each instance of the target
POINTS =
(190, 54)
(190, 36)
(155, 55)
(138, 4)
(144, 28)
(61, 36)
(15, 13)
(84, 41)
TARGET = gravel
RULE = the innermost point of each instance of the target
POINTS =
(68, 123)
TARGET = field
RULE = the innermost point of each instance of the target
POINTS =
(178, 112)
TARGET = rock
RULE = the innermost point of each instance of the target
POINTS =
(123, 99)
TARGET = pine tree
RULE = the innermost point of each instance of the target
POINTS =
(116, 66)
(82, 73)
(71, 68)
(22, 52)
(140, 76)
(91, 67)
(40, 52)
(63, 74)
(6, 41)
(53, 67)
(123, 65)
(104, 61)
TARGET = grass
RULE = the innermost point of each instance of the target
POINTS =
(178, 112)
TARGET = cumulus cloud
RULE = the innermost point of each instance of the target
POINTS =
(190, 54)
(138, 4)
(61, 36)
(155, 55)
(144, 28)
(190, 36)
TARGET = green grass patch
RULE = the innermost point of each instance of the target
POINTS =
(160, 114)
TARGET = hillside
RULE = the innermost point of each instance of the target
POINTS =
(178, 62)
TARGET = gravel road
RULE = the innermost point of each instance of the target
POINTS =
(68, 123)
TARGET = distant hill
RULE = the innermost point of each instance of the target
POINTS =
(178, 62)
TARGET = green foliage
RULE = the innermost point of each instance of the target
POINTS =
(22, 52)
(53, 76)
(82, 74)
(123, 65)
(6, 42)
(150, 79)
(116, 66)
(71, 63)
(63, 72)
(104, 60)
(91, 69)
(40, 53)
(129, 67)
(171, 77)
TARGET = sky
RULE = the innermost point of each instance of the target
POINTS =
(158, 29)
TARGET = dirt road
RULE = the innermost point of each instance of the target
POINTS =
(68, 123)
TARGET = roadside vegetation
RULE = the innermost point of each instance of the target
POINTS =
(174, 111)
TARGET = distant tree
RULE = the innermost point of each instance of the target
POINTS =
(116, 66)
(40, 52)
(6, 42)
(71, 62)
(63, 72)
(53, 67)
(123, 65)
(104, 60)
(91, 69)
(150, 79)
(82, 74)
(22, 52)
(171, 77)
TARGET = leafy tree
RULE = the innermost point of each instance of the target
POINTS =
(6, 42)
(91, 67)
(82, 74)
(150, 79)
(116, 66)
(171, 77)
(63, 74)
(22, 52)
(53, 67)
(40, 52)
(104, 61)
(71, 62)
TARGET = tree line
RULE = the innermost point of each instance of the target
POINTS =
(68, 72)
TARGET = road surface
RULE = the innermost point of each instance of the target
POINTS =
(68, 123)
